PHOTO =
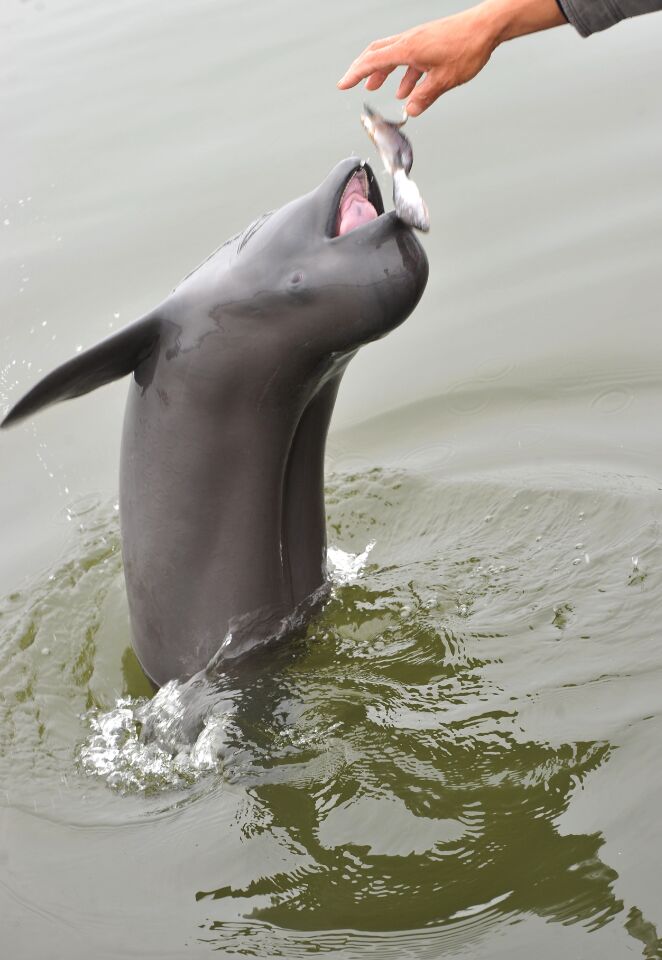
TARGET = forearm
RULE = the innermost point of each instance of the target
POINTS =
(507, 19)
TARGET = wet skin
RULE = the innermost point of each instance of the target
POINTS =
(235, 376)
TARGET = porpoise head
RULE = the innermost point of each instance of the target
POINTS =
(327, 272)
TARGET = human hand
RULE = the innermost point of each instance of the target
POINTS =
(448, 51)
(445, 53)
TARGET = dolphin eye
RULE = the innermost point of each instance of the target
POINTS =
(296, 278)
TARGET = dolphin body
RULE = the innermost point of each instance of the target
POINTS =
(235, 376)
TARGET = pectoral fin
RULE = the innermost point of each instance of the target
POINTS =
(107, 361)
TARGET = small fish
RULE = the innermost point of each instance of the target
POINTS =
(398, 157)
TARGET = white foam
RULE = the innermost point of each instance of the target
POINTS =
(347, 567)
(119, 752)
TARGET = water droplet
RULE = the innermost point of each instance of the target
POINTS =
(576, 561)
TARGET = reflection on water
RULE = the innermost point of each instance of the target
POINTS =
(400, 770)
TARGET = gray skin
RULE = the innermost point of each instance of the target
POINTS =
(235, 376)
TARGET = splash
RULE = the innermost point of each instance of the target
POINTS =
(347, 567)
(146, 745)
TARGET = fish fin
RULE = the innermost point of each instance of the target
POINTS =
(109, 360)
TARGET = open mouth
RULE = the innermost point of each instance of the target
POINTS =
(360, 202)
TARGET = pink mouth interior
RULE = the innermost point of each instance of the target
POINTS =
(355, 209)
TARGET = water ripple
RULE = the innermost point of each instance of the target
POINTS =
(398, 771)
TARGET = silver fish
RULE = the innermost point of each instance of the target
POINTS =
(397, 155)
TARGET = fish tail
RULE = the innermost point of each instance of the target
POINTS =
(409, 204)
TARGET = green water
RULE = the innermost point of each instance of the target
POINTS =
(425, 772)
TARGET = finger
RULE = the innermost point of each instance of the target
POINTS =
(370, 62)
(425, 94)
(376, 79)
(384, 42)
(408, 82)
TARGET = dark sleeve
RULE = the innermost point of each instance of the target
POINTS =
(589, 16)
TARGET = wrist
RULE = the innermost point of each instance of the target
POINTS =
(506, 19)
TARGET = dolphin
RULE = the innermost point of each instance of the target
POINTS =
(234, 379)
